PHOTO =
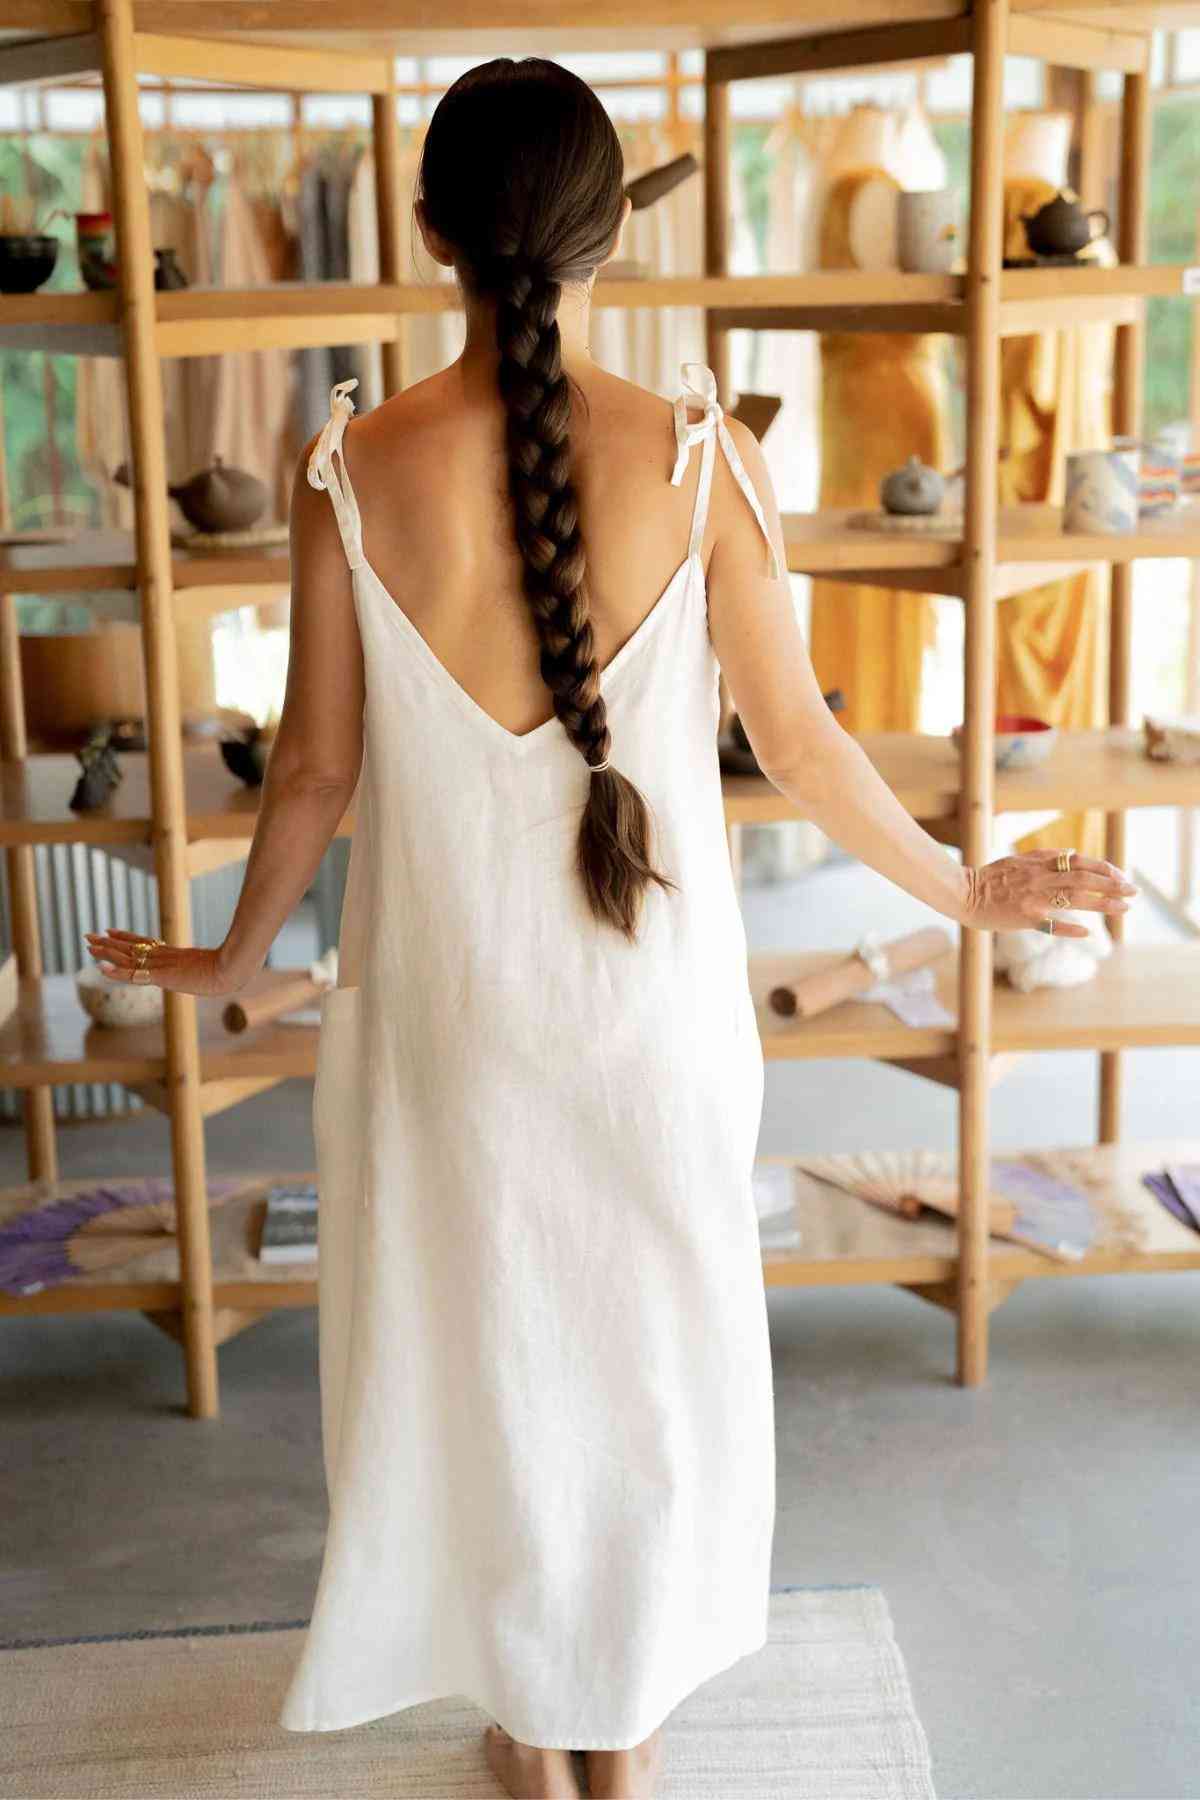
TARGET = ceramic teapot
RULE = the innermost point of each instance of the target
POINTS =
(216, 499)
(916, 488)
(1061, 227)
(220, 499)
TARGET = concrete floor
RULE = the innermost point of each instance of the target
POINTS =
(1033, 1538)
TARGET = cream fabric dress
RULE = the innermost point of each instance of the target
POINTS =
(545, 1373)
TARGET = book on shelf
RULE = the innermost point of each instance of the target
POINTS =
(289, 1232)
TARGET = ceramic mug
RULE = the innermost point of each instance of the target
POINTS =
(928, 234)
(1102, 491)
(1160, 471)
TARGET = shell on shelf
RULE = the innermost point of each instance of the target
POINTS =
(1172, 740)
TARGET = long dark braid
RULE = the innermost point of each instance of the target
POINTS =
(542, 210)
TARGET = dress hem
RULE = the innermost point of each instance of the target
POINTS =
(541, 1740)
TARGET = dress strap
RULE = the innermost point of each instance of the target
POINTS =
(700, 388)
(323, 472)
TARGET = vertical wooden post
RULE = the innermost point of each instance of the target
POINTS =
(989, 31)
(716, 218)
(1127, 421)
(41, 1150)
(386, 131)
(143, 378)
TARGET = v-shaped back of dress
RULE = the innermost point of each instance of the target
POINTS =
(327, 470)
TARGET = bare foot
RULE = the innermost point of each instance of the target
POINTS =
(526, 1772)
(626, 1774)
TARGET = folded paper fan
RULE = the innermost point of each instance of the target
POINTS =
(905, 1182)
(93, 1228)
(1032, 1203)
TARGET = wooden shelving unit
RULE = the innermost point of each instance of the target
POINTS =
(180, 813)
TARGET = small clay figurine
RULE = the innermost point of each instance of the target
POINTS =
(246, 754)
(167, 272)
(102, 772)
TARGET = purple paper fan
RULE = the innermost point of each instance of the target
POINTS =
(33, 1244)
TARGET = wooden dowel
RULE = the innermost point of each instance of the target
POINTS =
(37, 1105)
(388, 202)
(989, 24)
(1127, 421)
(143, 380)
(716, 219)
(817, 992)
(283, 995)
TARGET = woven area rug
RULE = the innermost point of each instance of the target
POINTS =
(824, 1712)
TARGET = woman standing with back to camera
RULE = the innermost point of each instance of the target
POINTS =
(545, 1371)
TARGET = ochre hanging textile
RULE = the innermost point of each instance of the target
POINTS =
(883, 399)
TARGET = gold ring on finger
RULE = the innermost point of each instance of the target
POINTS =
(1062, 898)
(1046, 925)
(1063, 862)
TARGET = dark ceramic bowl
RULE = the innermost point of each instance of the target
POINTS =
(26, 261)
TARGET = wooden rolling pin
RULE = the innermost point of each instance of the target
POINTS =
(289, 991)
(824, 988)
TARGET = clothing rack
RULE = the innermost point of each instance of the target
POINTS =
(180, 805)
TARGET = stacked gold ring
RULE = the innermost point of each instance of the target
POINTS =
(141, 954)
(1063, 861)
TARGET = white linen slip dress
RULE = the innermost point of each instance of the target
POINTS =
(545, 1374)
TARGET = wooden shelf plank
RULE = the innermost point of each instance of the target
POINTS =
(1086, 768)
(151, 1282)
(1033, 548)
(34, 810)
(83, 324)
(821, 543)
(201, 321)
(1034, 534)
(847, 1241)
(1142, 996)
(105, 562)
(826, 543)
(844, 1241)
(51, 1039)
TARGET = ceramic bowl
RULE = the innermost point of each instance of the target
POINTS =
(117, 1002)
(26, 261)
(1021, 743)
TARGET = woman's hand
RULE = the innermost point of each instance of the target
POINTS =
(186, 971)
(1016, 893)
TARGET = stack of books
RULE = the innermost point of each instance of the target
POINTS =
(289, 1232)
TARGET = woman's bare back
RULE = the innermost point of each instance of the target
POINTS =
(430, 470)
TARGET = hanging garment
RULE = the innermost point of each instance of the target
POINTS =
(868, 641)
(545, 1370)
(250, 398)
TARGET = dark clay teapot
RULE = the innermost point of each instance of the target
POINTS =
(220, 499)
(1062, 228)
(216, 499)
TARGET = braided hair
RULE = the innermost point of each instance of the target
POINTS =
(521, 174)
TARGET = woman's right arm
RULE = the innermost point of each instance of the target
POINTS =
(823, 770)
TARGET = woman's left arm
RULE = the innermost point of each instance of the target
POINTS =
(311, 776)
